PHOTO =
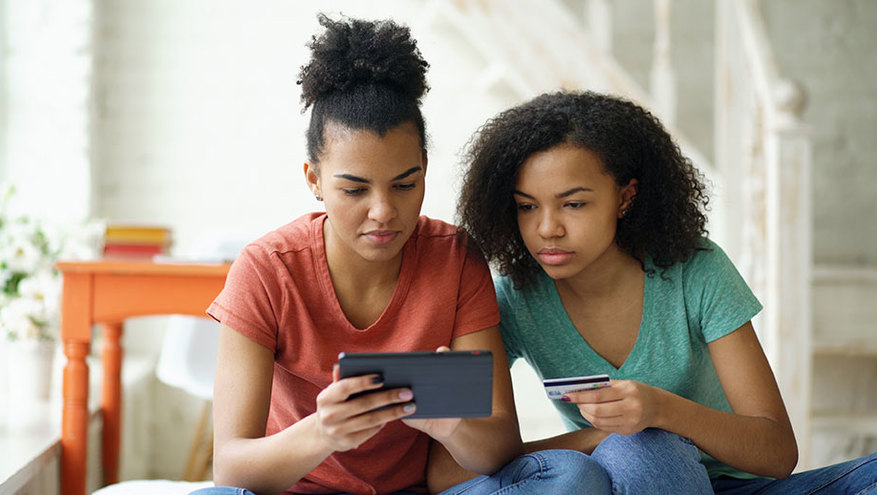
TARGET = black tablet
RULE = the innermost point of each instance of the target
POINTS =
(453, 384)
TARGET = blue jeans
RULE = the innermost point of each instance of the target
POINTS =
(856, 477)
(230, 490)
(545, 472)
(652, 461)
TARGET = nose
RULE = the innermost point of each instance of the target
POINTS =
(549, 225)
(382, 209)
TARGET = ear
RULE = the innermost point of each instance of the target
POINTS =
(425, 161)
(627, 194)
(312, 178)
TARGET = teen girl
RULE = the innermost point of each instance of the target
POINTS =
(369, 274)
(595, 222)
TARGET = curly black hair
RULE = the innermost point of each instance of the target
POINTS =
(666, 219)
(364, 75)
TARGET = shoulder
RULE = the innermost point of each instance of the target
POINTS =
(708, 258)
(297, 235)
(515, 299)
(271, 256)
(431, 228)
(438, 239)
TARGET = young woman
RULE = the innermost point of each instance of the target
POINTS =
(595, 222)
(369, 274)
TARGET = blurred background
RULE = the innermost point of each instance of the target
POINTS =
(185, 114)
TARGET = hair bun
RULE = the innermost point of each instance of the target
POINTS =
(355, 52)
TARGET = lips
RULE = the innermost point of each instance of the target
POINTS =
(381, 237)
(553, 256)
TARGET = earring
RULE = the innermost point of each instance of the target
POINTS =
(318, 197)
(624, 213)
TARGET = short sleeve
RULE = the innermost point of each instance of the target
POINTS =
(245, 303)
(476, 299)
(507, 321)
(717, 298)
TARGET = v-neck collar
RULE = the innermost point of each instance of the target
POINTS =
(572, 339)
(321, 267)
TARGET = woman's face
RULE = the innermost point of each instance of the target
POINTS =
(372, 187)
(568, 208)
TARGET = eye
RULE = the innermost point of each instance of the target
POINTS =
(522, 207)
(353, 191)
(404, 187)
(575, 204)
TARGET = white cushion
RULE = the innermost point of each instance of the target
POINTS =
(157, 487)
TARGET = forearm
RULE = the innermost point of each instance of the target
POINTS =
(270, 464)
(758, 445)
(584, 440)
(483, 445)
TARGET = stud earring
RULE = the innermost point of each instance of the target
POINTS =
(318, 197)
(624, 213)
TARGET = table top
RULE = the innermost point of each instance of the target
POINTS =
(144, 267)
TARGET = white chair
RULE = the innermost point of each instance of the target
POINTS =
(188, 361)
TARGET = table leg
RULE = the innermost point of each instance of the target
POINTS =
(74, 423)
(111, 399)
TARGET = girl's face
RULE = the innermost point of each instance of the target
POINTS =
(568, 209)
(372, 187)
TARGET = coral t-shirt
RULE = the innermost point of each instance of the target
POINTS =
(279, 294)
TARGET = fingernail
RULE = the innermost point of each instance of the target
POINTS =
(408, 408)
(406, 394)
(566, 399)
(377, 379)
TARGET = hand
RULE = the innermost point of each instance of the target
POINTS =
(346, 424)
(437, 428)
(626, 407)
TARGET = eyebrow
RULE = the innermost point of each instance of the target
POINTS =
(401, 176)
(558, 195)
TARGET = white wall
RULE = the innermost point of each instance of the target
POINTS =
(198, 127)
(198, 116)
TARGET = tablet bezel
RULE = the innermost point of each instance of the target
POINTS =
(452, 384)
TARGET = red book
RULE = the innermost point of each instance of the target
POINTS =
(132, 250)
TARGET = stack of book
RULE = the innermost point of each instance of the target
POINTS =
(136, 241)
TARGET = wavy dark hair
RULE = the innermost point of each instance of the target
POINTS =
(364, 75)
(666, 219)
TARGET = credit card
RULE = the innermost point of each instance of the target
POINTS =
(556, 387)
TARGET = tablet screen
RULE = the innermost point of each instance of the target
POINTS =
(453, 384)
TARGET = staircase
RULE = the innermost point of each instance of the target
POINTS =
(760, 169)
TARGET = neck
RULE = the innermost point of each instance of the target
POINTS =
(605, 277)
(349, 269)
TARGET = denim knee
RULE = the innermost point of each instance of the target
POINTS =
(568, 471)
(222, 490)
(652, 461)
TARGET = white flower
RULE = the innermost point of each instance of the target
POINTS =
(21, 256)
(25, 318)
(30, 285)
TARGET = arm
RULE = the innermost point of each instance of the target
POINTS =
(757, 437)
(244, 457)
(480, 445)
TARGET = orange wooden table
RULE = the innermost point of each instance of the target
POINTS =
(106, 293)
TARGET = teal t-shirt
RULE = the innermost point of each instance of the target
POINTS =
(684, 308)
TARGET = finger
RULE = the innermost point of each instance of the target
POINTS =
(443, 348)
(378, 418)
(600, 411)
(377, 400)
(342, 389)
(594, 396)
(336, 372)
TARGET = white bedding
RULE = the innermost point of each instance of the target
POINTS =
(156, 487)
